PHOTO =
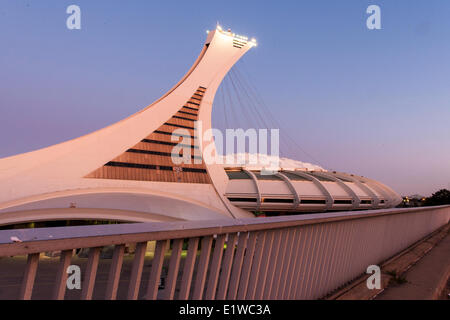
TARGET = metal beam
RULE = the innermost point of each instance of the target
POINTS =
(361, 185)
(291, 188)
(319, 185)
(355, 199)
(258, 190)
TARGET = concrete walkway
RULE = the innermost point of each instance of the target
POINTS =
(427, 279)
(419, 272)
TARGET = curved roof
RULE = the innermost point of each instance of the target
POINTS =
(303, 190)
(252, 161)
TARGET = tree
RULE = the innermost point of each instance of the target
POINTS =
(439, 198)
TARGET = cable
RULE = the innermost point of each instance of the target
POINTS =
(267, 110)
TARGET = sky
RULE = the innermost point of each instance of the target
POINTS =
(369, 102)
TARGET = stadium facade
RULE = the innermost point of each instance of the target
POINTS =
(125, 172)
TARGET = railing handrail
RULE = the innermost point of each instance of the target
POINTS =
(63, 238)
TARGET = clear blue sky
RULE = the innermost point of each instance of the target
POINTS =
(375, 103)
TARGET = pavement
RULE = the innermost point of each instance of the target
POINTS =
(421, 272)
(427, 279)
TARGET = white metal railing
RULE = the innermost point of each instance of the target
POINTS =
(288, 257)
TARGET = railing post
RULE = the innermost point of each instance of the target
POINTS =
(188, 269)
(29, 276)
(91, 273)
(293, 263)
(237, 266)
(114, 272)
(245, 274)
(226, 267)
(280, 258)
(61, 276)
(262, 276)
(322, 253)
(155, 274)
(287, 258)
(136, 272)
(272, 264)
(331, 262)
(301, 261)
(305, 273)
(202, 268)
(174, 265)
(215, 267)
(279, 269)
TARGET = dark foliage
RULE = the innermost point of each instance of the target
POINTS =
(439, 198)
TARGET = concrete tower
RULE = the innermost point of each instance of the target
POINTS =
(125, 171)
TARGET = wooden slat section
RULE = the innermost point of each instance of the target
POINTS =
(168, 128)
(61, 275)
(174, 265)
(182, 123)
(90, 273)
(160, 143)
(192, 104)
(138, 158)
(237, 266)
(188, 269)
(114, 272)
(202, 268)
(155, 175)
(30, 274)
(189, 109)
(136, 271)
(155, 274)
(215, 267)
(164, 137)
(187, 115)
(226, 267)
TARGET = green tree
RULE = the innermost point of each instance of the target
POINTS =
(439, 198)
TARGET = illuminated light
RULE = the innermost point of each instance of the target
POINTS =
(207, 31)
(241, 37)
(237, 37)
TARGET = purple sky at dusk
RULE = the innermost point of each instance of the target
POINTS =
(369, 102)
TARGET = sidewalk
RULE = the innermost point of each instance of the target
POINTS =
(420, 272)
(427, 279)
